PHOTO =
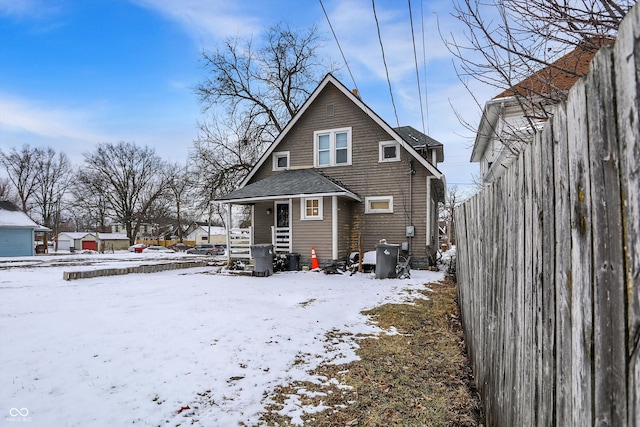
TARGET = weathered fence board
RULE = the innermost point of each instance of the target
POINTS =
(627, 66)
(581, 254)
(608, 262)
(549, 260)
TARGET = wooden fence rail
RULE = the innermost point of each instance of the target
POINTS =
(549, 260)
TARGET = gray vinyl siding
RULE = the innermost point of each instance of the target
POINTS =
(366, 177)
(312, 233)
(263, 222)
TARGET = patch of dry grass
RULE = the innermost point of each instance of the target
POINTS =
(418, 377)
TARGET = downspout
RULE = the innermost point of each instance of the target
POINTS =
(411, 173)
(334, 227)
(428, 236)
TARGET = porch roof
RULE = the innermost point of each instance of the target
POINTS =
(290, 184)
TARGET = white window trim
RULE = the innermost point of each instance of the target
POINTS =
(368, 200)
(332, 147)
(303, 209)
(383, 144)
(274, 160)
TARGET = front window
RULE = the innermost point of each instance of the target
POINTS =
(382, 204)
(311, 208)
(332, 147)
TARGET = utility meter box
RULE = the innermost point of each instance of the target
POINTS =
(410, 231)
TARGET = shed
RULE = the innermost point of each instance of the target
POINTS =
(17, 231)
(113, 241)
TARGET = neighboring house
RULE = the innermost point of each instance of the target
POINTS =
(17, 231)
(340, 179)
(508, 122)
(199, 233)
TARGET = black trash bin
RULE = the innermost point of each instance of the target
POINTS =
(293, 262)
(386, 260)
(263, 259)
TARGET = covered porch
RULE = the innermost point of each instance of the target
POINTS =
(292, 210)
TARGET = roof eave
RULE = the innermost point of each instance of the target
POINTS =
(249, 200)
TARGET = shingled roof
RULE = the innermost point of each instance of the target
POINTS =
(561, 75)
(298, 182)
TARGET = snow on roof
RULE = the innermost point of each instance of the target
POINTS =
(11, 216)
(73, 235)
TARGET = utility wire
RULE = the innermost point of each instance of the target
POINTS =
(424, 59)
(415, 59)
(386, 69)
(339, 47)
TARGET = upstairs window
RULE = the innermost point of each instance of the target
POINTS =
(280, 160)
(389, 151)
(332, 147)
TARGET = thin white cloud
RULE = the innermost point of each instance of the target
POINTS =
(26, 116)
(32, 9)
(207, 21)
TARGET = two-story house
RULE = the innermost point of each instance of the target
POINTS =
(340, 179)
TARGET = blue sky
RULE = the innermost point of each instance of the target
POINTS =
(77, 73)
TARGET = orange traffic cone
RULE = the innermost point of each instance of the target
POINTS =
(314, 259)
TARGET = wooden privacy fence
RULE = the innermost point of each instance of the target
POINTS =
(549, 261)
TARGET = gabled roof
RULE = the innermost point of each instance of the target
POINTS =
(289, 183)
(330, 79)
(12, 216)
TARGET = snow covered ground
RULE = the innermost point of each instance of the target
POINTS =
(189, 347)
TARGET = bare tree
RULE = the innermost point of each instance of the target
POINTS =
(179, 189)
(509, 40)
(261, 87)
(22, 172)
(453, 198)
(53, 178)
(129, 177)
(89, 206)
(6, 190)
(267, 84)
(223, 155)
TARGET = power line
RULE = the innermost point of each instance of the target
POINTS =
(415, 59)
(339, 47)
(424, 59)
(384, 60)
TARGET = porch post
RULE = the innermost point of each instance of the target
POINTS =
(228, 233)
(334, 227)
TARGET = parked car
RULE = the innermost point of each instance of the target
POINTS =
(137, 248)
(180, 247)
(157, 250)
(207, 249)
